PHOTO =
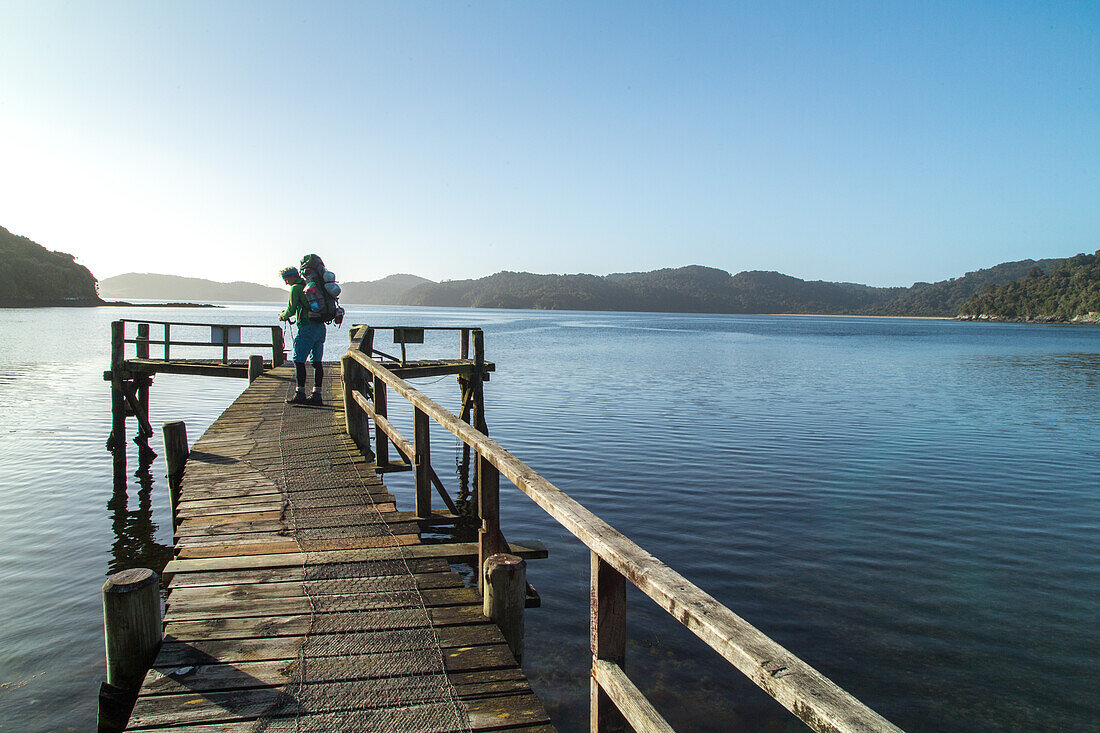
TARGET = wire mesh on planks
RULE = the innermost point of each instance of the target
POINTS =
(371, 659)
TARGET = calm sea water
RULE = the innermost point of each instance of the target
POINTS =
(913, 507)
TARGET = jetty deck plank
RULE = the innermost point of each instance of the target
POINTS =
(237, 609)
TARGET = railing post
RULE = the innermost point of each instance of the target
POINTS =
(476, 378)
(142, 347)
(381, 442)
(607, 624)
(350, 404)
(277, 354)
(422, 463)
(488, 508)
(464, 344)
(141, 350)
(167, 340)
(255, 367)
(366, 345)
(225, 344)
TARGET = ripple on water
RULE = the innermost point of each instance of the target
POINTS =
(910, 506)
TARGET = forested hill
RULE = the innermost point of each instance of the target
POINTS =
(691, 289)
(1069, 292)
(946, 297)
(34, 276)
(698, 289)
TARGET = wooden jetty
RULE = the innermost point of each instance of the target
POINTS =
(274, 575)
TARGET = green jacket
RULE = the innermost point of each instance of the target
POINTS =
(297, 306)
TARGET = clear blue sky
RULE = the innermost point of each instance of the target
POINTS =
(877, 142)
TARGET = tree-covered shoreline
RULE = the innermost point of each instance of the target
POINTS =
(1069, 293)
(33, 276)
(1051, 290)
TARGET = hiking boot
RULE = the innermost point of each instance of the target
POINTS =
(315, 399)
(299, 398)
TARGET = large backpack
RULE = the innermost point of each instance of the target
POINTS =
(322, 292)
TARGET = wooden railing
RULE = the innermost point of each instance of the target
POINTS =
(143, 341)
(615, 559)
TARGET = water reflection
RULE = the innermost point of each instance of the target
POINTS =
(135, 545)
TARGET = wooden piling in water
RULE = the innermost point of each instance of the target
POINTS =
(131, 625)
(504, 598)
(176, 452)
(117, 442)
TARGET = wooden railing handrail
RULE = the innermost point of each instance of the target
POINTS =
(808, 694)
(173, 342)
(417, 328)
(144, 341)
(266, 327)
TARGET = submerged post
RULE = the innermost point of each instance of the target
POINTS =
(175, 455)
(504, 597)
(255, 367)
(131, 626)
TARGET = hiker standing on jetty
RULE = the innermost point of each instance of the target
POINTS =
(309, 343)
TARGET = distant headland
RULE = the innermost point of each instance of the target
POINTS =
(34, 276)
(1048, 291)
(1051, 290)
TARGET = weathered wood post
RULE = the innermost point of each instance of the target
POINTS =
(167, 340)
(489, 539)
(255, 367)
(175, 455)
(131, 625)
(464, 463)
(117, 442)
(142, 346)
(381, 441)
(464, 343)
(607, 623)
(277, 353)
(350, 425)
(356, 422)
(225, 344)
(141, 350)
(476, 380)
(422, 463)
(356, 378)
(366, 345)
(504, 596)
